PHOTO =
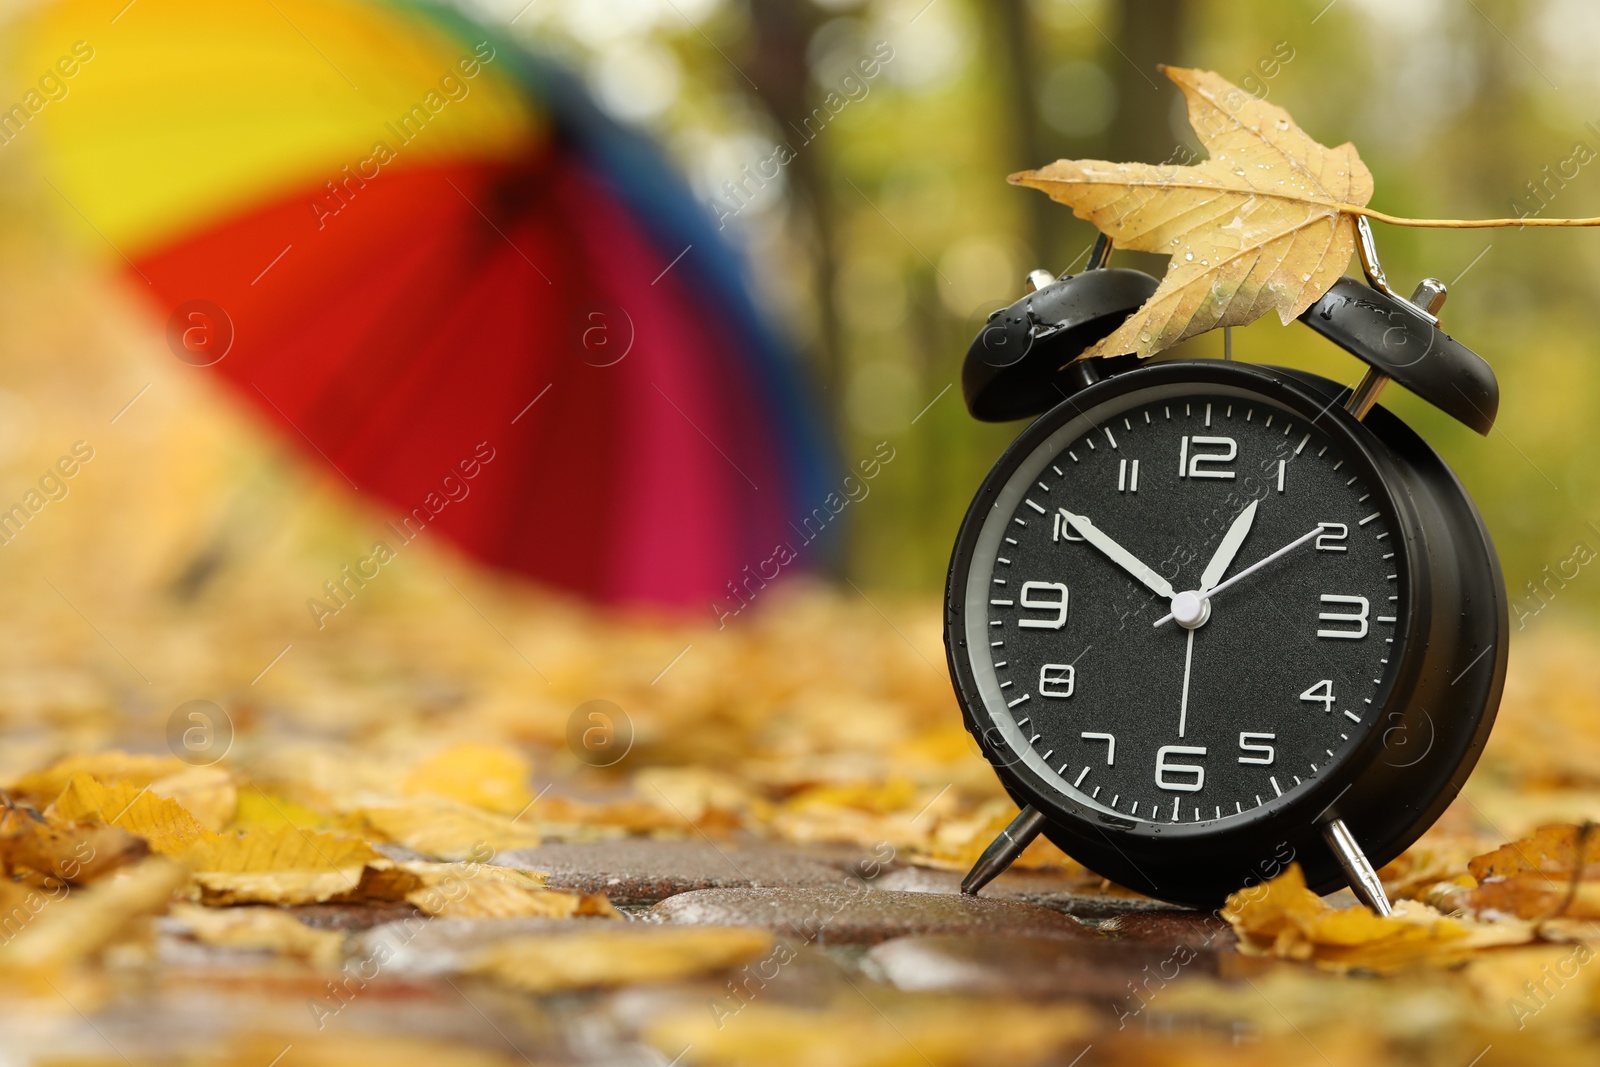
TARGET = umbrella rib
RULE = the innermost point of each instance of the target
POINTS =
(499, 231)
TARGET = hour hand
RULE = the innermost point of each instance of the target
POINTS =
(1229, 547)
(1119, 555)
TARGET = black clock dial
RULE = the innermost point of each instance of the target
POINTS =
(1254, 690)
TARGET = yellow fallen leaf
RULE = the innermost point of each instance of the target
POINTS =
(480, 891)
(925, 1032)
(1285, 919)
(447, 829)
(616, 955)
(1259, 226)
(289, 866)
(265, 928)
(490, 776)
(49, 850)
(328, 1049)
(86, 920)
(207, 793)
(260, 810)
(165, 823)
(43, 786)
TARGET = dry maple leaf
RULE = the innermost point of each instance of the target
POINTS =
(1259, 226)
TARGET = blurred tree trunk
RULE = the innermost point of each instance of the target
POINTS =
(1147, 33)
(1031, 142)
(782, 30)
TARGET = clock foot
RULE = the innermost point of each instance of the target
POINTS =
(1364, 882)
(1003, 851)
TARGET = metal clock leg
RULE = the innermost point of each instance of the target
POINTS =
(1364, 880)
(1003, 851)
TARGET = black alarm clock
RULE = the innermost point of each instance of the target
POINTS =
(1204, 617)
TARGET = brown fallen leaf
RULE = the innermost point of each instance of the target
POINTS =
(1283, 918)
(1259, 226)
(265, 928)
(1553, 874)
(165, 823)
(616, 955)
(40, 848)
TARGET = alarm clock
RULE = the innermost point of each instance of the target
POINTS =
(1207, 617)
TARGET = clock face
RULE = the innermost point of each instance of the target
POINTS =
(1186, 604)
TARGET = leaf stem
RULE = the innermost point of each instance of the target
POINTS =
(1462, 224)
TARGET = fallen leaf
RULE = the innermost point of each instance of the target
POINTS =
(169, 828)
(489, 776)
(1553, 874)
(84, 921)
(616, 955)
(207, 793)
(926, 1032)
(290, 866)
(447, 829)
(260, 810)
(1283, 918)
(331, 1049)
(41, 848)
(481, 891)
(43, 786)
(264, 928)
(1258, 226)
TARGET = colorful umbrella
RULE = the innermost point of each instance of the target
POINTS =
(428, 257)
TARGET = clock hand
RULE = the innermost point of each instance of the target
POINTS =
(1257, 565)
(1229, 548)
(1183, 706)
(1119, 555)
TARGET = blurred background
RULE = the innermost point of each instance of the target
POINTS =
(851, 155)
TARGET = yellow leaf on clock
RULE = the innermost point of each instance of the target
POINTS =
(1260, 226)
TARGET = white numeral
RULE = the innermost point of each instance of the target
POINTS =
(1057, 680)
(1261, 754)
(1058, 605)
(1332, 541)
(1192, 464)
(1111, 746)
(1163, 768)
(1062, 529)
(1321, 693)
(1359, 616)
(1127, 476)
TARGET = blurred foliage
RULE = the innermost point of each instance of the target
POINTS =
(1456, 108)
(889, 236)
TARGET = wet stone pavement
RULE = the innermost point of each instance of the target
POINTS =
(904, 932)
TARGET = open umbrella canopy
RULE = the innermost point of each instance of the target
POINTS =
(428, 258)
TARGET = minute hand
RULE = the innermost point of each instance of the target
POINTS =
(1119, 555)
(1257, 565)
